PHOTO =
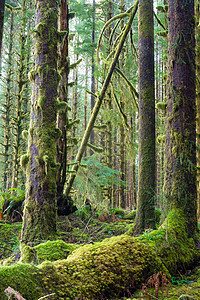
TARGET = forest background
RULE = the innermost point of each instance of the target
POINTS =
(110, 179)
(108, 176)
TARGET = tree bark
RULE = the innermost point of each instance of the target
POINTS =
(20, 115)
(145, 217)
(65, 205)
(197, 13)
(8, 107)
(180, 151)
(92, 102)
(39, 220)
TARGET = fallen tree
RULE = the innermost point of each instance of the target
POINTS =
(102, 270)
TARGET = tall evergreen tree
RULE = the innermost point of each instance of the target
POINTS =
(145, 217)
(39, 220)
(180, 151)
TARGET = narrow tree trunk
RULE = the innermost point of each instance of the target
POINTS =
(39, 220)
(8, 108)
(18, 122)
(92, 73)
(64, 204)
(2, 9)
(180, 153)
(146, 176)
(197, 10)
(122, 198)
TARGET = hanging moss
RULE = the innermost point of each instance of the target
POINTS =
(24, 161)
(61, 106)
(31, 75)
(25, 134)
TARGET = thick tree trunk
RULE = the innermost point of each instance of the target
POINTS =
(146, 177)
(180, 153)
(2, 9)
(39, 220)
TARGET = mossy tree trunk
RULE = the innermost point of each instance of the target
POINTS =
(8, 108)
(180, 153)
(2, 9)
(39, 219)
(145, 217)
(64, 205)
(19, 119)
(197, 13)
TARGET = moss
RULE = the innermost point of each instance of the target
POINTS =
(25, 134)
(28, 254)
(31, 75)
(24, 278)
(54, 250)
(161, 138)
(161, 106)
(41, 102)
(172, 244)
(61, 106)
(24, 161)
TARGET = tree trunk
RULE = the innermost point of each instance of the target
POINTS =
(8, 108)
(122, 197)
(146, 177)
(180, 153)
(92, 73)
(2, 9)
(197, 12)
(20, 115)
(65, 205)
(39, 220)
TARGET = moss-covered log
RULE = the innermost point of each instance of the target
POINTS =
(39, 221)
(105, 269)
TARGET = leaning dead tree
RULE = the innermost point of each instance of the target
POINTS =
(99, 99)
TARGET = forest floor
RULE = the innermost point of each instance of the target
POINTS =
(84, 227)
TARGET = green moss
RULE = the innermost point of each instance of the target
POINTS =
(161, 105)
(28, 254)
(24, 161)
(25, 134)
(54, 250)
(61, 106)
(41, 102)
(24, 278)
(31, 75)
